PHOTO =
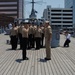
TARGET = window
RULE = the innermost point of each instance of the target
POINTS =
(56, 10)
(67, 10)
(56, 21)
(56, 14)
(67, 14)
(49, 17)
(67, 18)
(48, 13)
(56, 18)
(67, 22)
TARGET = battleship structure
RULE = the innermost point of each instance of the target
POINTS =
(33, 15)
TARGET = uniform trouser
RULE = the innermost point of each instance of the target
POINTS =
(20, 39)
(48, 48)
(67, 43)
(33, 41)
(30, 41)
(37, 39)
(14, 40)
(42, 38)
(24, 47)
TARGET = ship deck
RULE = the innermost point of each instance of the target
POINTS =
(62, 60)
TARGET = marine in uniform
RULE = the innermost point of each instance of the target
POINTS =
(33, 37)
(37, 35)
(25, 31)
(42, 35)
(20, 34)
(48, 36)
(30, 36)
(14, 36)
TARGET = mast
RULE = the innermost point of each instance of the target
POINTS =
(32, 15)
(33, 4)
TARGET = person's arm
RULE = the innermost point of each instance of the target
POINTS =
(50, 34)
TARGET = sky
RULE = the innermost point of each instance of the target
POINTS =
(40, 6)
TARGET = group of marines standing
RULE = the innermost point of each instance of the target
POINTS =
(31, 36)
